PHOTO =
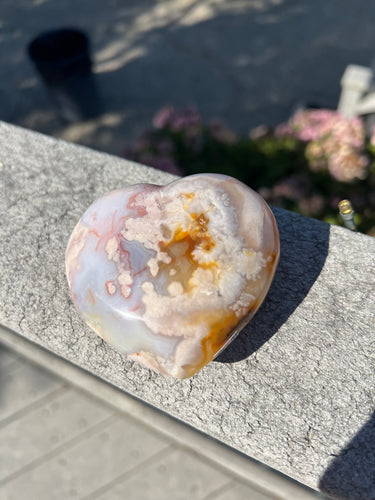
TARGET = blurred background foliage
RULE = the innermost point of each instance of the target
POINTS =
(306, 165)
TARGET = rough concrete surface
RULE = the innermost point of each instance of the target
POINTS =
(295, 390)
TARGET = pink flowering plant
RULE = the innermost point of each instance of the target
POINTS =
(307, 164)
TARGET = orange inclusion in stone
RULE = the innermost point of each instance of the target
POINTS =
(220, 329)
(220, 323)
(197, 234)
(221, 326)
(188, 241)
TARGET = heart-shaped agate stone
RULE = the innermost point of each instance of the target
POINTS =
(170, 274)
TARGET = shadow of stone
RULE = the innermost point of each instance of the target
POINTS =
(304, 248)
(351, 474)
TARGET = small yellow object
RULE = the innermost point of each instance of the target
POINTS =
(345, 207)
(347, 214)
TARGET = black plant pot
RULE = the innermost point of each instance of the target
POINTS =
(62, 58)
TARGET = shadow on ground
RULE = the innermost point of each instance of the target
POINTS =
(351, 474)
(245, 62)
(303, 254)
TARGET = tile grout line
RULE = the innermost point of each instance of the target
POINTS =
(128, 473)
(63, 447)
(11, 367)
(35, 404)
(226, 487)
(15, 365)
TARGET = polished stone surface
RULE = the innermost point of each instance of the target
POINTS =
(169, 275)
(294, 390)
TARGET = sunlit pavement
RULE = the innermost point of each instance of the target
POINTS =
(247, 62)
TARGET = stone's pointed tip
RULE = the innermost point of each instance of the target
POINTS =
(171, 273)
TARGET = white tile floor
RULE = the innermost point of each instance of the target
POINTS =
(57, 442)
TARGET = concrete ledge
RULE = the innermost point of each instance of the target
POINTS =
(295, 390)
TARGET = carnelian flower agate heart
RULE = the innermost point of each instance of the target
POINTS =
(170, 274)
